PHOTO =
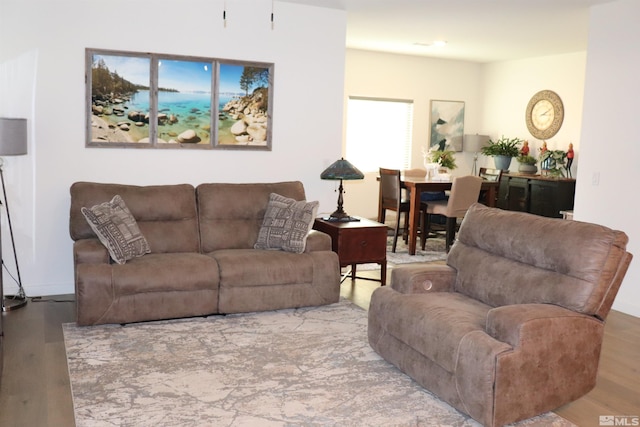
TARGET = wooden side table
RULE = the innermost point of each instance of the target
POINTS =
(357, 242)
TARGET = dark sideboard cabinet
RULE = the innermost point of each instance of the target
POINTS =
(536, 194)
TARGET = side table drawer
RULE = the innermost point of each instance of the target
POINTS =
(363, 245)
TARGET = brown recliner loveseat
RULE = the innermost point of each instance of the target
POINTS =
(512, 325)
(202, 258)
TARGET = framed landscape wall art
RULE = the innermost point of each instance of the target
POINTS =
(446, 125)
(147, 100)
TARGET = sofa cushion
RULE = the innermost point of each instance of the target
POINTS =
(286, 224)
(117, 229)
(166, 214)
(230, 215)
(505, 258)
(181, 272)
(255, 267)
(433, 324)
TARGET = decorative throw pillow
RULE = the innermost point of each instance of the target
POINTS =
(117, 230)
(286, 224)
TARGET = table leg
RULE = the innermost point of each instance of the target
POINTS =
(490, 197)
(414, 219)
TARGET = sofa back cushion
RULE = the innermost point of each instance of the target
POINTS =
(231, 214)
(505, 257)
(165, 214)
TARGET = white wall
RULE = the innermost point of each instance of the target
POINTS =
(610, 148)
(42, 71)
(383, 75)
(508, 87)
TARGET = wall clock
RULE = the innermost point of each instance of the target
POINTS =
(544, 114)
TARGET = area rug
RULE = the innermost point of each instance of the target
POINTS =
(434, 251)
(296, 367)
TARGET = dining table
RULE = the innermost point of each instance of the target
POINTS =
(417, 185)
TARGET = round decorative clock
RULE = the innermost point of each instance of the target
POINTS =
(544, 114)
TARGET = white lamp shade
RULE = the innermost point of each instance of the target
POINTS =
(474, 143)
(13, 137)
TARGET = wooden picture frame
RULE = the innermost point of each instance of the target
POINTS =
(150, 100)
(446, 125)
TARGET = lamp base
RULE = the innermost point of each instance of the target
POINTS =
(341, 219)
(13, 302)
(340, 215)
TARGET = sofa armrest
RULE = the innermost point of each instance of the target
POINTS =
(318, 241)
(90, 251)
(553, 349)
(516, 323)
(423, 278)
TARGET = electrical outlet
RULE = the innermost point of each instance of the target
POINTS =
(595, 179)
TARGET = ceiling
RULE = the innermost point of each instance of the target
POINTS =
(475, 30)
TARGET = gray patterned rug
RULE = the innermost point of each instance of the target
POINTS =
(304, 367)
(434, 251)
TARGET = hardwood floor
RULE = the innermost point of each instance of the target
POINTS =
(35, 388)
(35, 391)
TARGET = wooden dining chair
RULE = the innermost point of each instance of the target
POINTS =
(489, 175)
(390, 198)
(464, 192)
(415, 173)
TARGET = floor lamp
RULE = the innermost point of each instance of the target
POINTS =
(473, 144)
(13, 142)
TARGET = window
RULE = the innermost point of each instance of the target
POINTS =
(379, 133)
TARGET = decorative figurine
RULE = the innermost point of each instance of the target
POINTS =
(544, 147)
(570, 155)
(525, 148)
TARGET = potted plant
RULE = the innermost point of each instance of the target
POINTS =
(527, 164)
(502, 151)
(553, 162)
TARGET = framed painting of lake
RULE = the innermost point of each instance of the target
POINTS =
(446, 125)
(184, 101)
(244, 105)
(148, 100)
(118, 88)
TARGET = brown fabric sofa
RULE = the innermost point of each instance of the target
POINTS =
(512, 325)
(202, 259)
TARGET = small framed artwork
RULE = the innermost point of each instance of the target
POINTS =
(147, 100)
(446, 125)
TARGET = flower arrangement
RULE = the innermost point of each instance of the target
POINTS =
(444, 158)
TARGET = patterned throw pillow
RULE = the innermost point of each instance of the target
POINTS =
(286, 224)
(117, 230)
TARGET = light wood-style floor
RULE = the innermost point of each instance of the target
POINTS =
(35, 391)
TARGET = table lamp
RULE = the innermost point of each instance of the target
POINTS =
(473, 144)
(341, 169)
(13, 142)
